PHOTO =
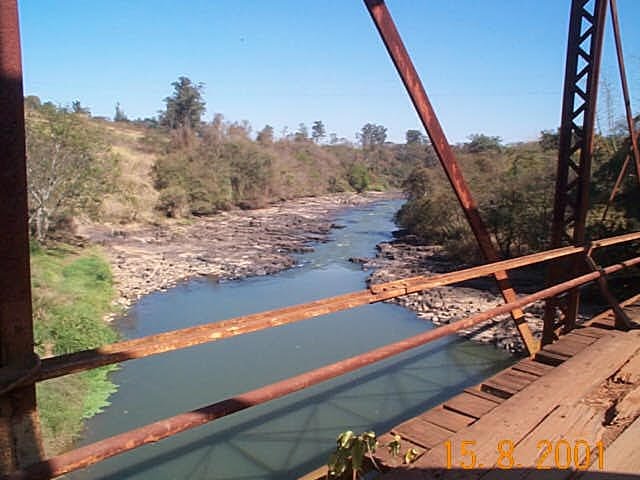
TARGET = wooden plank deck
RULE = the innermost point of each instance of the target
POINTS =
(536, 404)
(540, 409)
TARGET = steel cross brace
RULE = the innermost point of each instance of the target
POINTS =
(393, 42)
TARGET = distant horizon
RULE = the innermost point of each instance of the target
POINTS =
(283, 65)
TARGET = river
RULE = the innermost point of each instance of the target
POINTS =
(291, 436)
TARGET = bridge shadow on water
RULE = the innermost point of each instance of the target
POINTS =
(314, 431)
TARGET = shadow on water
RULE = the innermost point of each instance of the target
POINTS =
(233, 436)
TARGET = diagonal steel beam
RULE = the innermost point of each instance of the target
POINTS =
(391, 38)
(625, 86)
(627, 106)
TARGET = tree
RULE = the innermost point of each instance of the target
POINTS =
(418, 183)
(549, 140)
(478, 142)
(68, 166)
(265, 136)
(318, 132)
(76, 107)
(302, 134)
(185, 106)
(415, 137)
(358, 177)
(32, 101)
(120, 116)
(372, 134)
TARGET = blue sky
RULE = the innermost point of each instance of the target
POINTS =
(489, 66)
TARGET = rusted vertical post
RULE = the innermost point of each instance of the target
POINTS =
(391, 38)
(584, 49)
(19, 427)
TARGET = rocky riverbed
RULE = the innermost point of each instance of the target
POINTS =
(242, 243)
(227, 246)
(403, 258)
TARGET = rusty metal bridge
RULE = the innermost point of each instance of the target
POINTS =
(570, 262)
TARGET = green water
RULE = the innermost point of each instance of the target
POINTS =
(291, 436)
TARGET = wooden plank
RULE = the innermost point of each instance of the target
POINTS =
(498, 390)
(550, 358)
(622, 456)
(630, 373)
(565, 347)
(606, 322)
(523, 377)
(567, 422)
(422, 432)
(629, 406)
(384, 458)
(520, 414)
(507, 383)
(470, 405)
(482, 394)
(585, 340)
(592, 332)
(403, 473)
(531, 366)
(633, 312)
(447, 419)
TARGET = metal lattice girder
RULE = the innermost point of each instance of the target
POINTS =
(584, 50)
(578, 115)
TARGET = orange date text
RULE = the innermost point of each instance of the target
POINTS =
(559, 455)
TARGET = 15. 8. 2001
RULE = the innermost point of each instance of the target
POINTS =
(560, 454)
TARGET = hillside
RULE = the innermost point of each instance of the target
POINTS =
(145, 174)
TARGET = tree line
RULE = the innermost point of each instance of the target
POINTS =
(200, 167)
(514, 187)
(203, 167)
(212, 166)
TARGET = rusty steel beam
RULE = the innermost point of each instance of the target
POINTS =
(187, 337)
(625, 86)
(191, 336)
(584, 50)
(622, 320)
(90, 454)
(391, 38)
(19, 426)
(627, 107)
(616, 185)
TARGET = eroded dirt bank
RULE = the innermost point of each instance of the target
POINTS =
(227, 246)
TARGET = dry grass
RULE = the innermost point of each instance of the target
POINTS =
(135, 197)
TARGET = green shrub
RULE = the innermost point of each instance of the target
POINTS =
(359, 177)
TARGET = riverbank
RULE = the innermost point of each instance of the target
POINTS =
(404, 257)
(72, 292)
(227, 246)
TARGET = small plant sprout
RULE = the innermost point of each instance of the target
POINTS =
(348, 460)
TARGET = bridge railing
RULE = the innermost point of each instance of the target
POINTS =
(52, 367)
